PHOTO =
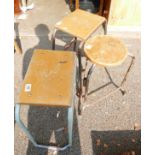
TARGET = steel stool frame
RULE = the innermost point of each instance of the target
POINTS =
(90, 71)
(86, 80)
(78, 51)
(27, 132)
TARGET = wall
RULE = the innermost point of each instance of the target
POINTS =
(125, 13)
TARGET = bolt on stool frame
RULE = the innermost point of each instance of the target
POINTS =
(81, 25)
(105, 51)
(47, 73)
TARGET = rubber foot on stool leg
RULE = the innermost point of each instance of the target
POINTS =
(123, 91)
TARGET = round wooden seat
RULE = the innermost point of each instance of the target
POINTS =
(105, 50)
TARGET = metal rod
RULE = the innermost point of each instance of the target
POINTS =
(54, 148)
(128, 70)
(99, 88)
(118, 87)
(121, 89)
(80, 91)
(26, 131)
(85, 69)
(80, 65)
(88, 79)
(22, 126)
(68, 45)
(102, 98)
(70, 124)
(108, 74)
(75, 42)
(105, 27)
(53, 39)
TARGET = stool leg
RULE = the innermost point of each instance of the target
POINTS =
(111, 80)
(53, 39)
(77, 5)
(68, 45)
(80, 91)
(70, 124)
(22, 126)
(75, 42)
(128, 70)
(80, 72)
(87, 80)
(26, 131)
(71, 3)
(80, 82)
(124, 79)
(105, 27)
(101, 7)
(85, 67)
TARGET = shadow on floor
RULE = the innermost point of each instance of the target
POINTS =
(45, 43)
(126, 142)
(43, 122)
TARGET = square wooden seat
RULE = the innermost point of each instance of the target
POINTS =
(50, 79)
(80, 24)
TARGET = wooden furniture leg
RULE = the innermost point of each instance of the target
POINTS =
(17, 48)
(71, 3)
(17, 9)
(77, 5)
(101, 7)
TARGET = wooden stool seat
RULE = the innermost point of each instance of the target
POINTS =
(105, 50)
(50, 79)
(80, 23)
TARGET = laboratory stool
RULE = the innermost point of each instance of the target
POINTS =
(105, 51)
(50, 81)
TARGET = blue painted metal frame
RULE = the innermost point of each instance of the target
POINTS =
(70, 120)
(70, 129)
